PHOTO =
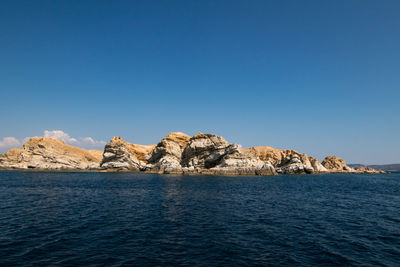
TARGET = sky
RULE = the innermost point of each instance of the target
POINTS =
(320, 77)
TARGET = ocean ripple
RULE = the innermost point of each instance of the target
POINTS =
(114, 219)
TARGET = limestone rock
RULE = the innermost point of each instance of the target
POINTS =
(11, 158)
(211, 154)
(317, 166)
(266, 153)
(238, 163)
(119, 154)
(336, 164)
(167, 155)
(284, 160)
(205, 151)
(176, 153)
(49, 153)
(291, 165)
(366, 169)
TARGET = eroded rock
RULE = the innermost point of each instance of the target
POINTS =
(336, 164)
(317, 166)
(286, 161)
(119, 154)
(49, 153)
(211, 154)
(167, 155)
(205, 151)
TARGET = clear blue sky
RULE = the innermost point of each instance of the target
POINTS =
(321, 77)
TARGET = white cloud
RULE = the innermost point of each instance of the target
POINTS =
(84, 142)
(88, 141)
(9, 142)
(60, 135)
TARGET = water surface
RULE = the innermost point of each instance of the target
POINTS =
(56, 218)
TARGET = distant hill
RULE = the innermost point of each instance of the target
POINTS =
(386, 167)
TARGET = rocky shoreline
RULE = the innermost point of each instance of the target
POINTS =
(177, 153)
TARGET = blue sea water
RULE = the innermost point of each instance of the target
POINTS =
(113, 219)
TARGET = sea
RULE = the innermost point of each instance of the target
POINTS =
(136, 219)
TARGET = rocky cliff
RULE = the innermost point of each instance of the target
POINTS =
(167, 155)
(49, 153)
(121, 155)
(177, 153)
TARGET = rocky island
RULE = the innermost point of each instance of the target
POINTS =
(177, 153)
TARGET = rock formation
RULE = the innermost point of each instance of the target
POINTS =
(49, 153)
(335, 164)
(238, 163)
(211, 154)
(293, 164)
(204, 151)
(317, 166)
(11, 159)
(167, 155)
(121, 155)
(366, 169)
(286, 161)
(177, 153)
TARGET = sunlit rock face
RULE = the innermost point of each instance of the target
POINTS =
(205, 151)
(50, 153)
(119, 154)
(177, 153)
(317, 166)
(286, 161)
(208, 154)
(166, 157)
(336, 164)
(366, 169)
(238, 163)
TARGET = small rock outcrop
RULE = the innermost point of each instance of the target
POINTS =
(121, 155)
(366, 169)
(49, 153)
(167, 155)
(11, 159)
(336, 164)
